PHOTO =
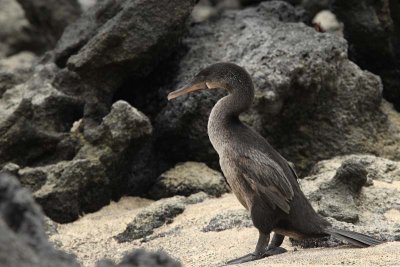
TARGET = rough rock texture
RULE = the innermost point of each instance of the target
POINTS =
(57, 125)
(35, 119)
(228, 220)
(157, 214)
(359, 189)
(134, 36)
(350, 177)
(141, 258)
(372, 29)
(189, 178)
(50, 17)
(97, 172)
(311, 102)
(23, 241)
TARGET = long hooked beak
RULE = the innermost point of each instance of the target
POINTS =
(187, 89)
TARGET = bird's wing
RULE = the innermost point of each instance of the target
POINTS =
(267, 179)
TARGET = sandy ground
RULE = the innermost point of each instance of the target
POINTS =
(91, 238)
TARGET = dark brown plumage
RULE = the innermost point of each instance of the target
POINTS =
(259, 176)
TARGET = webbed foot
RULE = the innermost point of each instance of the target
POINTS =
(274, 251)
(246, 258)
(253, 257)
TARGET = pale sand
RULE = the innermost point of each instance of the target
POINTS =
(90, 238)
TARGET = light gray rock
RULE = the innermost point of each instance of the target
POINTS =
(228, 220)
(21, 63)
(356, 192)
(35, 119)
(189, 178)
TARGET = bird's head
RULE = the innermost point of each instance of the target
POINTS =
(226, 76)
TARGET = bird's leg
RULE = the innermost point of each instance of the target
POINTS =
(274, 247)
(259, 253)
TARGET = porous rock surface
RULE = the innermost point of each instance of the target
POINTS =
(228, 220)
(96, 173)
(357, 192)
(189, 178)
(311, 101)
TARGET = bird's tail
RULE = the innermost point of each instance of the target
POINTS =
(354, 238)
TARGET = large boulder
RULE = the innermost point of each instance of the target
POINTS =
(311, 101)
(23, 241)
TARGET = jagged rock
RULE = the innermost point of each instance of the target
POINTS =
(311, 102)
(141, 258)
(228, 220)
(157, 214)
(372, 29)
(342, 191)
(189, 178)
(338, 189)
(97, 172)
(35, 119)
(23, 241)
(50, 17)
(122, 31)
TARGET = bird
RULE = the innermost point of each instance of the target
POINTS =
(263, 181)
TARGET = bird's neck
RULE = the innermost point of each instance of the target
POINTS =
(224, 118)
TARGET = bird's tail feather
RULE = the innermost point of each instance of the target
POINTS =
(357, 239)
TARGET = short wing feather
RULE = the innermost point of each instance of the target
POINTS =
(267, 179)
